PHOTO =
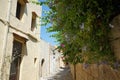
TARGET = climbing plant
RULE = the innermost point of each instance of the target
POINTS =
(82, 28)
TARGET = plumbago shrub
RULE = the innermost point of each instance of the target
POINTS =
(82, 28)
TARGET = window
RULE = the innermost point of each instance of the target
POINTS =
(35, 62)
(20, 9)
(17, 54)
(16, 60)
(33, 22)
(42, 61)
(35, 59)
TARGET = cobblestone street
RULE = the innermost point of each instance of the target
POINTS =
(61, 74)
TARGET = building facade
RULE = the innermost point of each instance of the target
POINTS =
(19, 40)
(50, 59)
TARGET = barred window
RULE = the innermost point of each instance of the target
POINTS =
(16, 60)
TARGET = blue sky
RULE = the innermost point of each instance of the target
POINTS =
(44, 34)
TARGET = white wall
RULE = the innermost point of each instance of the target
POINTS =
(44, 54)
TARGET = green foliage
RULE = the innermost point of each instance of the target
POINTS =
(82, 28)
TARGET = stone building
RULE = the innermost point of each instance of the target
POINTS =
(19, 40)
(50, 59)
(44, 59)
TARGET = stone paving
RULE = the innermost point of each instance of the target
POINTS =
(61, 74)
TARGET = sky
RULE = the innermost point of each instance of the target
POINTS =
(44, 34)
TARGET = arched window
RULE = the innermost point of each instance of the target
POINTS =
(42, 61)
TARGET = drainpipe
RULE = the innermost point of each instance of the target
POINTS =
(6, 36)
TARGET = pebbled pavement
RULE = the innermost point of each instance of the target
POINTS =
(61, 74)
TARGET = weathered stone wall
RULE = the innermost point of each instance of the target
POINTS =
(4, 18)
(115, 36)
(94, 72)
(49, 59)
(10, 25)
(44, 58)
(30, 62)
(54, 59)
(3, 9)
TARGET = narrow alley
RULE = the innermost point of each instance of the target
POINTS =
(60, 74)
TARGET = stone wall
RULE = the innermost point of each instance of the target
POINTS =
(115, 36)
(49, 59)
(54, 59)
(44, 59)
(10, 26)
(94, 72)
